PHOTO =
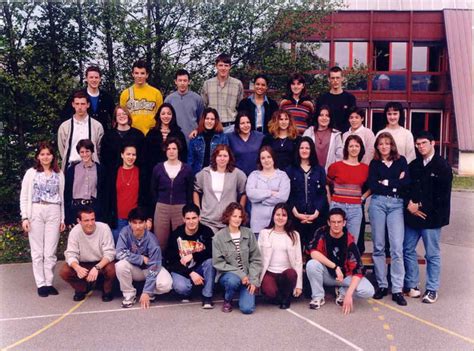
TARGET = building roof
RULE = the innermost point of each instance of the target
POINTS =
(458, 25)
(407, 5)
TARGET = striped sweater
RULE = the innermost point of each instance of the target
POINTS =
(302, 111)
(347, 181)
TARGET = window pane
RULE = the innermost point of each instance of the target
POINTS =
(359, 53)
(425, 82)
(419, 59)
(381, 55)
(342, 54)
(399, 56)
(378, 121)
(390, 81)
(433, 119)
(318, 51)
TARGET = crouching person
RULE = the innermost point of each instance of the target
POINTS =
(90, 252)
(237, 260)
(336, 262)
(139, 259)
(189, 256)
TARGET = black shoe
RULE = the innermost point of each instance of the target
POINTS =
(79, 296)
(107, 297)
(52, 290)
(380, 293)
(399, 299)
(285, 305)
(43, 291)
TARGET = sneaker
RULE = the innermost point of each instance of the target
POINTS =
(339, 297)
(399, 299)
(52, 290)
(107, 297)
(285, 304)
(79, 296)
(430, 296)
(43, 291)
(127, 303)
(152, 298)
(412, 292)
(316, 304)
(380, 293)
(227, 306)
(207, 303)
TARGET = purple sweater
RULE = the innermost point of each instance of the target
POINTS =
(175, 191)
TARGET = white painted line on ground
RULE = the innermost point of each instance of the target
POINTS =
(320, 327)
(182, 304)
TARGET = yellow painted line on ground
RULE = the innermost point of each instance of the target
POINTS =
(428, 323)
(382, 317)
(393, 348)
(386, 326)
(376, 309)
(48, 326)
(390, 337)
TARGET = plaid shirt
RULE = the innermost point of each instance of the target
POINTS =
(224, 99)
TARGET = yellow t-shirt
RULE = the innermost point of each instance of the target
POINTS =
(142, 102)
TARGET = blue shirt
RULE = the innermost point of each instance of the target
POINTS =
(246, 152)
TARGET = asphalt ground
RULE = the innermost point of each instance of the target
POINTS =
(28, 322)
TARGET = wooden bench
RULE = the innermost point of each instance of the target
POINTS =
(367, 260)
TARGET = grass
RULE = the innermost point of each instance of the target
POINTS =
(463, 182)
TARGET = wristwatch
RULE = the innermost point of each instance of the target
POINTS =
(97, 267)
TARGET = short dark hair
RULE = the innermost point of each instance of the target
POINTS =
(334, 69)
(137, 213)
(424, 134)
(241, 114)
(301, 79)
(230, 209)
(190, 208)
(93, 69)
(262, 76)
(80, 95)
(182, 72)
(85, 143)
(84, 209)
(224, 58)
(397, 106)
(359, 141)
(127, 144)
(357, 110)
(141, 64)
(337, 211)
(172, 140)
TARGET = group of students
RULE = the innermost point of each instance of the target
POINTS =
(226, 170)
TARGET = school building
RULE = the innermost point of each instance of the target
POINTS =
(417, 52)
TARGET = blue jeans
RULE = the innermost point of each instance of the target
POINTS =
(318, 275)
(184, 285)
(353, 216)
(231, 284)
(388, 210)
(121, 223)
(430, 239)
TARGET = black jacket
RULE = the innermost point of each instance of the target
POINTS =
(430, 185)
(105, 109)
(270, 107)
(112, 143)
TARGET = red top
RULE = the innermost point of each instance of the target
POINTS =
(127, 190)
(347, 181)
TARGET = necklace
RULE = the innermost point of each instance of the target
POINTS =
(318, 136)
(282, 141)
(123, 178)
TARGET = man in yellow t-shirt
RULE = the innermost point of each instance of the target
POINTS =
(141, 99)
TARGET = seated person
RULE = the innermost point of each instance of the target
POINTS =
(336, 261)
(139, 259)
(90, 252)
(189, 256)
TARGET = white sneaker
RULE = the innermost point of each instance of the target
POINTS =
(413, 292)
(127, 303)
(339, 297)
(316, 304)
(430, 296)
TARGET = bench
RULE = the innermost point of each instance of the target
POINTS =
(367, 260)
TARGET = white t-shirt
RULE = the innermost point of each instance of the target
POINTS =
(81, 131)
(280, 260)
(172, 170)
(217, 179)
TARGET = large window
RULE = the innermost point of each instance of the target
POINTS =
(350, 54)
(426, 58)
(390, 56)
(318, 51)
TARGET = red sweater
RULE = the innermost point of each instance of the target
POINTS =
(347, 181)
(127, 190)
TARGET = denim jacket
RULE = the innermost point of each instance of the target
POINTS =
(197, 147)
(131, 249)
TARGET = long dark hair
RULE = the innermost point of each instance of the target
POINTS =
(313, 158)
(289, 229)
(173, 122)
(359, 141)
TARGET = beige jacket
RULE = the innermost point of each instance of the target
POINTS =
(294, 254)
